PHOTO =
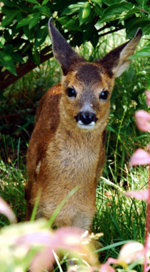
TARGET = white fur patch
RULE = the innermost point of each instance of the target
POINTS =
(38, 167)
(80, 124)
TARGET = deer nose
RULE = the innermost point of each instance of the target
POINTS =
(86, 117)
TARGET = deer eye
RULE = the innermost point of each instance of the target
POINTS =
(71, 92)
(104, 95)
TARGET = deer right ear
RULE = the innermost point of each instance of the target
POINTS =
(62, 51)
(117, 61)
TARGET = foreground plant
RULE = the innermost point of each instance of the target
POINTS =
(34, 245)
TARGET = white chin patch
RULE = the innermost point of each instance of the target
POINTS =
(80, 124)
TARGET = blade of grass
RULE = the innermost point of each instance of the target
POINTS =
(108, 182)
(61, 204)
(112, 246)
(57, 261)
(35, 206)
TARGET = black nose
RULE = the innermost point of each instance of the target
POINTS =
(86, 117)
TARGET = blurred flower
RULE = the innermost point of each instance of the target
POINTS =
(42, 261)
(37, 238)
(70, 239)
(7, 211)
(143, 120)
(106, 268)
(131, 252)
(15, 257)
(148, 97)
(140, 157)
(140, 195)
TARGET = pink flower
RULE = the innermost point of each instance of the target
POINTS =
(148, 97)
(6, 210)
(131, 252)
(71, 239)
(43, 261)
(106, 268)
(140, 195)
(140, 157)
(143, 120)
(66, 238)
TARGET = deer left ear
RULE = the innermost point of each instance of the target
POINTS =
(117, 61)
(62, 51)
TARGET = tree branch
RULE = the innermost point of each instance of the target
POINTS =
(111, 31)
(23, 69)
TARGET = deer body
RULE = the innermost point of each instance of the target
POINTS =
(67, 146)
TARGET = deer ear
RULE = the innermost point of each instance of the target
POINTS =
(62, 51)
(117, 61)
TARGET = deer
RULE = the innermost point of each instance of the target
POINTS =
(67, 146)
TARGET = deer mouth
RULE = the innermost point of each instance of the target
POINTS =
(80, 124)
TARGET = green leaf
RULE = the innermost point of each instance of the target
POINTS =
(36, 57)
(137, 22)
(35, 19)
(17, 58)
(45, 2)
(99, 24)
(110, 2)
(26, 48)
(133, 24)
(33, 2)
(63, 20)
(131, 13)
(72, 24)
(142, 3)
(10, 4)
(84, 13)
(9, 18)
(45, 11)
(7, 61)
(29, 34)
(74, 8)
(98, 10)
(41, 36)
(24, 21)
(111, 12)
(1, 45)
(98, 2)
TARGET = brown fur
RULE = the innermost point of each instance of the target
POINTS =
(62, 155)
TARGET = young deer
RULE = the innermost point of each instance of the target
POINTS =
(67, 147)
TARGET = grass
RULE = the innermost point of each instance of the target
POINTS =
(118, 217)
(13, 178)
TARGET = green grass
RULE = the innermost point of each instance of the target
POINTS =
(12, 178)
(119, 218)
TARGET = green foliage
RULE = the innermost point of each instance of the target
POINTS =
(21, 21)
(120, 218)
(24, 30)
(12, 178)
(122, 132)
